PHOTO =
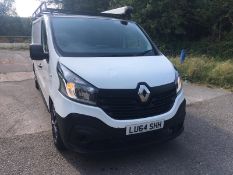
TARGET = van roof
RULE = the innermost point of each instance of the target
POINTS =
(86, 16)
(119, 13)
(83, 16)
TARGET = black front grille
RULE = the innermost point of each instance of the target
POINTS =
(126, 104)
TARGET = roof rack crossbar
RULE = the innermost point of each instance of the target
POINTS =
(123, 12)
(42, 8)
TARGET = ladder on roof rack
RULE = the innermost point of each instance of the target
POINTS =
(122, 12)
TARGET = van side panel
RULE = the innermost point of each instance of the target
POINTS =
(40, 66)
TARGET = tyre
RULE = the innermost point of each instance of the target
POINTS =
(36, 84)
(55, 130)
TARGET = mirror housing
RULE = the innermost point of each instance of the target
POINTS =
(37, 52)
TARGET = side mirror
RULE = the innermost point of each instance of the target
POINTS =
(37, 52)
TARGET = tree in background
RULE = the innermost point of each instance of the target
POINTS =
(221, 18)
(15, 26)
(169, 19)
(11, 24)
(201, 26)
(82, 5)
(205, 26)
(7, 8)
(86, 5)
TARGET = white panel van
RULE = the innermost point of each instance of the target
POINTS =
(105, 83)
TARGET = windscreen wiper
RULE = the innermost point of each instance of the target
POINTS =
(146, 52)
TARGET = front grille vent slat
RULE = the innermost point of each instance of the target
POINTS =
(126, 105)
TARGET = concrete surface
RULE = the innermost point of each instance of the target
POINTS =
(206, 146)
(14, 45)
(16, 76)
(196, 93)
(22, 109)
(15, 61)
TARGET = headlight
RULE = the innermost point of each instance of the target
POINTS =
(178, 83)
(74, 87)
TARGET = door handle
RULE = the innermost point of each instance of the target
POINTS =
(40, 66)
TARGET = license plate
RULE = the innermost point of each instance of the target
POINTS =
(144, 127)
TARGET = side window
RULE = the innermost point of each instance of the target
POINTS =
(44, 38)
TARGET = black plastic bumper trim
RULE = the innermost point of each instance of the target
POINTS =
(84, 134)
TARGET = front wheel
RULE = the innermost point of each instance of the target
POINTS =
(55, 130)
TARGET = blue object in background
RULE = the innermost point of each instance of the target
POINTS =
(182, 56)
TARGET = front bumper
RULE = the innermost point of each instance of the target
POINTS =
(83, 133)
(65, 107)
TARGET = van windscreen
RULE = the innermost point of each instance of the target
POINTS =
(97, 37)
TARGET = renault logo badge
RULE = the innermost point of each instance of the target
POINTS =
(143, 93)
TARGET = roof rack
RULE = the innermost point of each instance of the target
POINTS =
(122, 13)
(43, 9)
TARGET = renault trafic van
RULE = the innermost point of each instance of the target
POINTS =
(105, 83)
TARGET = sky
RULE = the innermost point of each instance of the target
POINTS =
(25, 8)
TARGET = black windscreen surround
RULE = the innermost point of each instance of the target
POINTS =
(125, 104)
(83, 36)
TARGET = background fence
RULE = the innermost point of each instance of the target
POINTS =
(14, 42)
(15, 39)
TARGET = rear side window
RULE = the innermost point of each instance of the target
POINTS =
(99, 37)
(44, 41)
